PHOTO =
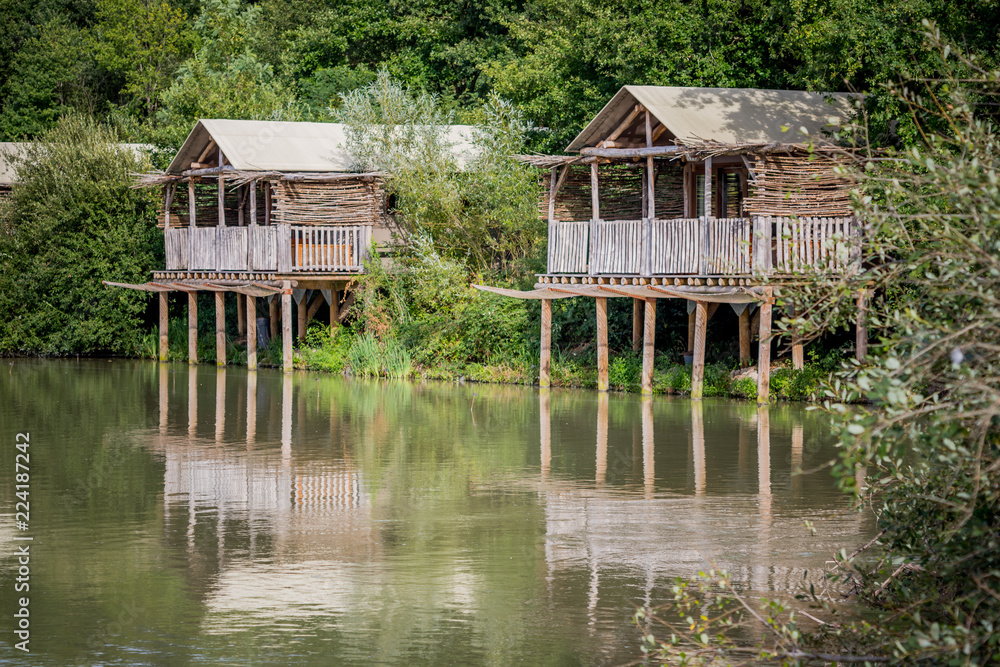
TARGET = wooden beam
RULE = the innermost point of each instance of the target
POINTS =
(553, 178)
(744, 327)
(300, 310)
(648, 346)
(191, 204)
(602, 343)
(274, 316)
(709, 210)
(595, 202)
(798, 350)
(253, 202)
(251, 309)
(208, 151)
(168, 199)
(650, 182)
(861, 328)
(241, 317)
(222, 193)
(698, 369)
(545, 351)
(334, 311)
(621, 153)
(220, 328)
(691, 326)
(637, 306)
(286, 327)
(192, 327)
(317, 301)
(764, 348)
(164, 324)
(624, 125)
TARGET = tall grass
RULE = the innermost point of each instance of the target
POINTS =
(369, 357)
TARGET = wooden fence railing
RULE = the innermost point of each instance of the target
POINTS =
(704, 246)
(281, 248)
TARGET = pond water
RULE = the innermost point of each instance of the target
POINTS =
(193, 515)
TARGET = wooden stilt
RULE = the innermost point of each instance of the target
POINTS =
(241, 317)
(637, 305)
(798, 351)
(648, 346)
(273, 308)
(192, 327)
(602, 343)
(317, 301)
(698, 369)
(220, 328)
(861, 333)
(301, 310)
(545, 353)
(164, 340)
(334, 311)
(286, 326)
(251, 309)
(744, 325)
(764, 349)
(691, 326)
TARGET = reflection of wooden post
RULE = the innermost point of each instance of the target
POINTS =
(602, 440)
(545, 353)
(648, 462)
(698, 446)
(637, 305)
(796, 458)
(698, 369)
(164, 399)
(762, 573)
(220, 404)
(192, 400)
(272, 307)
(764, 349)
(286, 326)
(602, 343)
(251, 409)
(861, 340)
(220, 328)
(764, 451)
(744, 325)
(545, 432)
(648, 346)
(192, 327)
(286, 419)
(164, 324)
(251, 308)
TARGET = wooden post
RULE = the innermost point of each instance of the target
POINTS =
(191, 203)
(553, 179)
(545, 353)
(744, 325)
(861, 333)
(241, 317)
(798, 349)
(164, 340)
(220, 328)
(253, 203)
(764, 349)
(595, 201)
(602, 343)
(648, 346)
(698, 369)
(650, 189)
(334, 311)
(691, 326)
(273, 307)
(637, 305)
(251, 309)
(222, 193)
(709, 209)
(286, 326)
(302, 308)
(192, 327)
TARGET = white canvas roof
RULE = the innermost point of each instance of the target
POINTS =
(725, 115)
(7, 175)
(261, 145)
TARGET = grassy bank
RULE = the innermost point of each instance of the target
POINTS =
(348, 352)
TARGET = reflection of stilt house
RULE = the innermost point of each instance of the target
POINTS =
(266, 208)
(699, 194)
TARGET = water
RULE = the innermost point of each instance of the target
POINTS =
(201, 516)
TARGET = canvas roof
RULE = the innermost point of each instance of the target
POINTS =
(286, 146)
(724, 115)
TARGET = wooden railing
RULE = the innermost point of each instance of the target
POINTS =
(271, 248)
(704, 246)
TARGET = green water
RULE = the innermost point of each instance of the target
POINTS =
(199, 516)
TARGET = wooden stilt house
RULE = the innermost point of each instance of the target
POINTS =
(269, 209)
(705, 194)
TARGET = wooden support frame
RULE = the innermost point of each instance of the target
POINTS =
(545, 351)
(764, 348)
(698, 368)
(192, 327)
(744, 327)
(251, 309)
(302, 320)
(222, 192)
(637, 313)
(274, 316)
(191, 204)
(286, 326)
(164, 324)
(241, 317)
(334, 311)
(220, 328)
(602, 343)
(648, 346)
(798, 349)
(253, 202)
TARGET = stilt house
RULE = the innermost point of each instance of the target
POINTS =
(706, 194)
(266, 209)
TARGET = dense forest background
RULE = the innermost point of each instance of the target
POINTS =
(152, 67)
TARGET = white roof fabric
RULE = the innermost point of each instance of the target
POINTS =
(286, 146)
(724, 115)
(7, 175)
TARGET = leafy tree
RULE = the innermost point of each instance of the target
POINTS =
(73, 220)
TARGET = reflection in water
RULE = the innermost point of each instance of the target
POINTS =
(387, 523)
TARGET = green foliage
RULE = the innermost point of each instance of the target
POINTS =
(72, 221)
(370, 357)
(326, 350)
(744, 387)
